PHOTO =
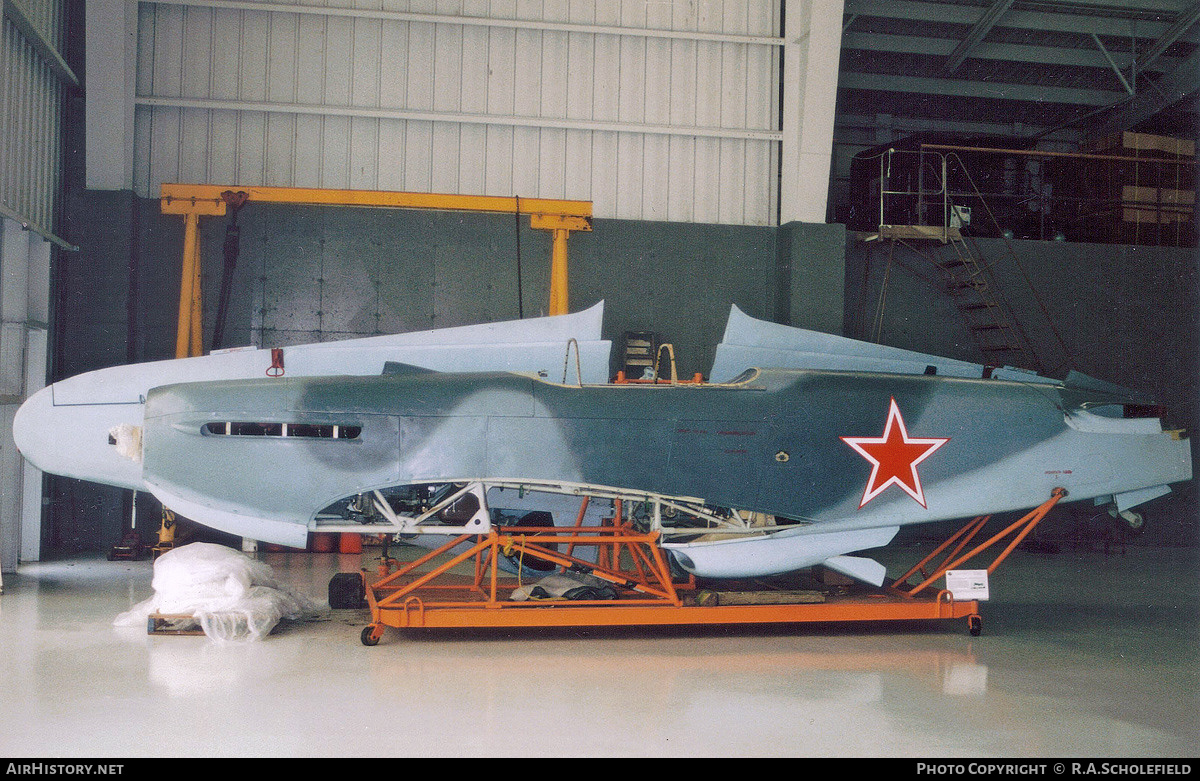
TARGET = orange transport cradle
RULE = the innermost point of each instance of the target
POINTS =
(458, 585)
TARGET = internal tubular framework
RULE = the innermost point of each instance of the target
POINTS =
(670, 516)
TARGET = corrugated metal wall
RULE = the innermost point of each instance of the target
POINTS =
(31, 119)
(33, 77)
(664, 110)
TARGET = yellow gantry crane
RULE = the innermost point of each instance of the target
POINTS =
(194, 201)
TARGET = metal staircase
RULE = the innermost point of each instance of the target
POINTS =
(971, 288)
(921, 211)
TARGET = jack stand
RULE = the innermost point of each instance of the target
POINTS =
(166, 534)
(130, 548)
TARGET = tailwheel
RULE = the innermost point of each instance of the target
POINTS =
(975, 624)
(371, 635)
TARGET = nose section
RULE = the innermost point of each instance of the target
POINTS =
(31, 420)
(73, 440)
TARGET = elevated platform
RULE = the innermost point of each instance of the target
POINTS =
(916, 233)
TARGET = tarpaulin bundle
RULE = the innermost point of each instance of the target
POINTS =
(230, 594)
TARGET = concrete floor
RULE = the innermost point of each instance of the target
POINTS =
(1082, 655)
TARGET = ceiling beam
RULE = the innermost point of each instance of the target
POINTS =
(978, 89)
(464, 118)
(1100, 23)
(977, 33)
(280, 6)
(1177, 86)
(1113, 63)
(871, 129)
(1181, 25)
(988, 50)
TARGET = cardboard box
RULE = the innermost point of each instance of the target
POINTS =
(1153, 204)
(1156, 195)
(1137, 144)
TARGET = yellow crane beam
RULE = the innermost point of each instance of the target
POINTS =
(193, 201)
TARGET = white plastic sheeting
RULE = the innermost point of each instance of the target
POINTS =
(231, 595)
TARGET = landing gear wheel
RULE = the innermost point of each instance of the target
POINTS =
(975, 623)
(369, 637)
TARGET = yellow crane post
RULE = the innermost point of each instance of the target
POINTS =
(194, 201)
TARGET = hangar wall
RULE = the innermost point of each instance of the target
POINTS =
(24, 318)
(1123, 314)
(656, 111)
(714, 111)
(34, 82)
(312, 273)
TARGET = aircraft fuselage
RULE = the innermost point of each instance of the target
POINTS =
(845, 450)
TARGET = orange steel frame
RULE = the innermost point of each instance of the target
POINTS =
(426, 593)
(1017, 530)
(193, 201)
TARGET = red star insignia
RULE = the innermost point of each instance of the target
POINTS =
(894, 457)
